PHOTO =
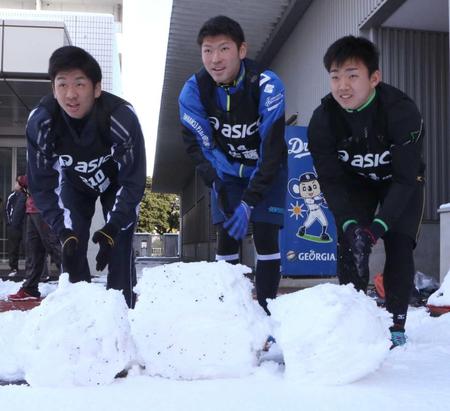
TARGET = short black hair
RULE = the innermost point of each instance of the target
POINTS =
(351, 47)
(218, 25)
(72, 58)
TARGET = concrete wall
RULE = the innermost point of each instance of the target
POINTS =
(299, 61)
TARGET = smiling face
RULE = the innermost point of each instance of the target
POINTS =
(351, 85)
(75, 92)
(309, 189)
(222, 58)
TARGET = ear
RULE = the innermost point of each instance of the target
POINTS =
(243, 51)
(375, 78)
(98, 89)
(53, 90)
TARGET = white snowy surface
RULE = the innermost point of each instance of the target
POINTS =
(441, 297)
(329, 323)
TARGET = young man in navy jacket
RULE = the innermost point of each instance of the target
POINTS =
(84, 144)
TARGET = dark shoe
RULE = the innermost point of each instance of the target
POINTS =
(301, 231)
(23, 295)
(325, 237)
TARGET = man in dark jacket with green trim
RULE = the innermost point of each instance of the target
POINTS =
(366, 142)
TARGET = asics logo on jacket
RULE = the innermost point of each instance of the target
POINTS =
(66, 160)
(368, 160)
(235, 130)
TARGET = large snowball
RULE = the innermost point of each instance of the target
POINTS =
(330, 334)
(197, 320)
(11, 324)
(79, 335)
(441, 297)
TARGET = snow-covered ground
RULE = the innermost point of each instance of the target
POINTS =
(192, 343)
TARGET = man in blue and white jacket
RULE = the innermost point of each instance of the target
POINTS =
(232, 117)
(84, 143)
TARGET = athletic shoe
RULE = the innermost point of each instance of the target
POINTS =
(13, 273)
(398, 338)
(22, 295)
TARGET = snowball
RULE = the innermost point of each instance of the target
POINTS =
(79, 335)
(198, 320)
(330, 334)
(11, 324)
(441, 297)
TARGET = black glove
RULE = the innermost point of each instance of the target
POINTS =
(69, 246)
(361, 241)
(105, 239)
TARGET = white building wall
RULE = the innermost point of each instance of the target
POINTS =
(93, 32)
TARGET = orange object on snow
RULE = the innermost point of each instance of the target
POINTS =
(436, 311)
(7, 305)
(378, 282)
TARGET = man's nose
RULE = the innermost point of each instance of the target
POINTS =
(216, 56)
(343, 84)
(71, 92)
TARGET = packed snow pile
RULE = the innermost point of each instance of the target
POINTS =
(79, 335)
(330, 334)
(198, 320)
(441, 297)
(11, 324)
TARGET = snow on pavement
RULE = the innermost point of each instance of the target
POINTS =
(414, 377)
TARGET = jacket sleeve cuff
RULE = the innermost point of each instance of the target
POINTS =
(348, 223)
(378, 228)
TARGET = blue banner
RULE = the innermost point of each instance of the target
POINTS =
(308, 239)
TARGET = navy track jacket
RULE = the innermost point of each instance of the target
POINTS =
(88, 160)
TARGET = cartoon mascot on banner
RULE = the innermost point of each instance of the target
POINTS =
(307, 188)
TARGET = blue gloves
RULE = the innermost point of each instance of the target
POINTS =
(237, 224)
